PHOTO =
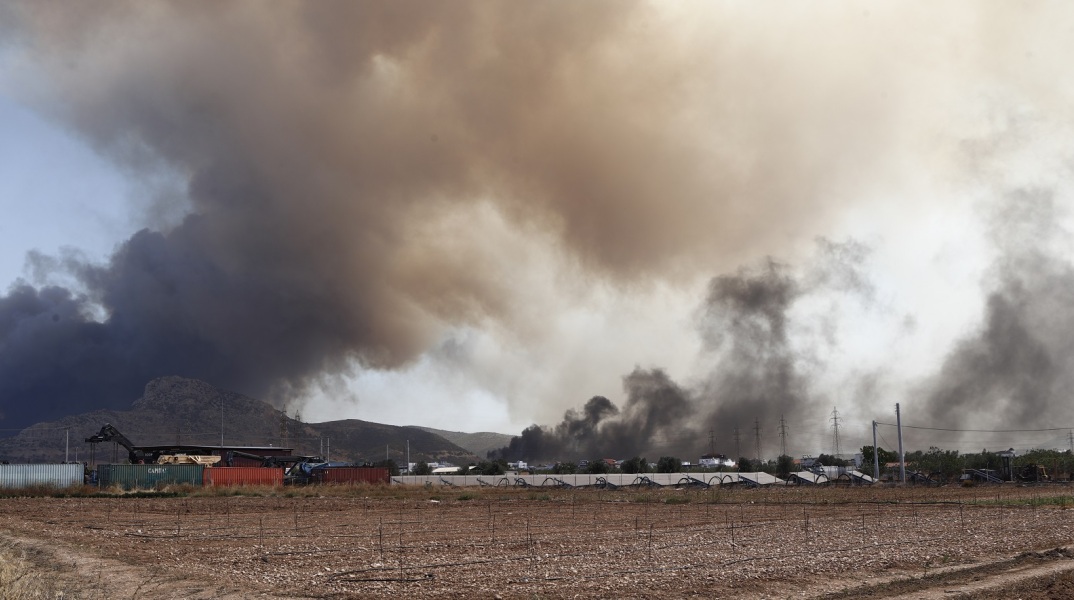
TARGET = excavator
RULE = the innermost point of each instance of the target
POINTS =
(136, 454)
(108, 433)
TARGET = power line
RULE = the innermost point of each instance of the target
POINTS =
(977, 430)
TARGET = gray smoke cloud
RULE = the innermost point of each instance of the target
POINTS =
(1016, 369)
(350, 184)
(761, 350)
(1012, 371)
(337, 163)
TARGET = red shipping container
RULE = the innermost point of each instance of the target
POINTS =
(221, 476)
(351, 475)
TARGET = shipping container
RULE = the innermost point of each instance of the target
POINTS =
(224, 476)
(20, 476)
(130, 477)
(350, 475)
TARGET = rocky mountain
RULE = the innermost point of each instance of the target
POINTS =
(177, 410)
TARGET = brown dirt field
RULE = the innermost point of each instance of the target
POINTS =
(368, 542)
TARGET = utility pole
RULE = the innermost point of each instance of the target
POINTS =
(757, 437)
(835, 435)
(876, 456)
(67, 443)
(408, 457)
(712, 444)
(738, 445)
(221, 422)
(782, 437)
(1072, 441)
(902, 456)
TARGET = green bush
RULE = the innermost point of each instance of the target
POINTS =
(668, 464)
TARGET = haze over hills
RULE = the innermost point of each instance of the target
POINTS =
(177, 410)
(480, 443)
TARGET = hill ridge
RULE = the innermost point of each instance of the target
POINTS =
(175, 409)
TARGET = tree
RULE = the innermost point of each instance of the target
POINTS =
(491, 467)
(423, 468)
(668, 464)
(565, 468)
(597, 467)
(745, 465)
(831, 461)
(784, 465)
(945, 462)
(886, 456)
(634, 465)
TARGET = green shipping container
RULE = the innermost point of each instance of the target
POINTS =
(148, 477)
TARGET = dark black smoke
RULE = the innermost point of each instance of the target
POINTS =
(355, 174)
(1016, 371)
(336, 158)
(756, 373)
(576, 435)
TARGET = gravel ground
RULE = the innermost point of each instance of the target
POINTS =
(390, 542)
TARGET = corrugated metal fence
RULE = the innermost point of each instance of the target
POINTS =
(20, 476)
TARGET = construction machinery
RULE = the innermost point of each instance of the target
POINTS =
(195, 454)
(1032, 473)
(187, 459)
(108, 433)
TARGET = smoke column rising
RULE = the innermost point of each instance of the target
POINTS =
(356, 183)
(761, 352)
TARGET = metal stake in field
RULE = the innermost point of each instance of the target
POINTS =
(733, 537)
(863, 528)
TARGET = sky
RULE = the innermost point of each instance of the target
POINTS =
(481, 217)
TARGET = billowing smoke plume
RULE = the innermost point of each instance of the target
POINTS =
(1017, 370)
(762, 349)
(656, 408)
(360, 178)
(1014, 371)
(350, 184)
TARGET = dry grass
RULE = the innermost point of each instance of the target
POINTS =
(23, 576)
